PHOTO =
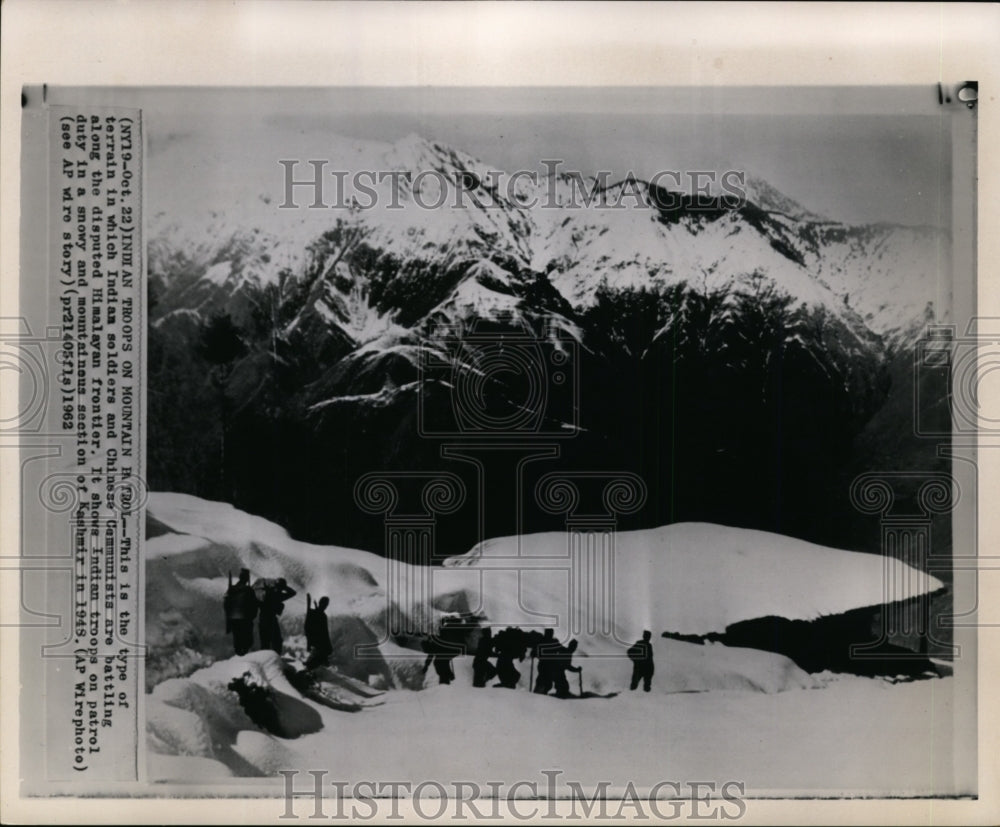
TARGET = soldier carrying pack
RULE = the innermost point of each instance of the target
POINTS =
(240, 605)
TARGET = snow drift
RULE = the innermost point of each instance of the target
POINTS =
(699, 578)
(680, 579)
(201, 727)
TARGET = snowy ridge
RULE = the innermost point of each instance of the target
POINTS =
(334, 313)
(237, 234)
(771, 199)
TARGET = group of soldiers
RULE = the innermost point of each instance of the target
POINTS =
(553, 658)
(507, 646)
(264, 601)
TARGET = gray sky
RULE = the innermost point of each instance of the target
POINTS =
(857, 155)
(853, 168)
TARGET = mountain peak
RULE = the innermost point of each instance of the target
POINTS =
(412, 140)
(413, 153)
(771, 199)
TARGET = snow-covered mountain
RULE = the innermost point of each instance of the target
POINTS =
(745, 361)
(202, 255)
(308, 330)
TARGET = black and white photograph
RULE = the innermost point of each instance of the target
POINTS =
(597, 449)
(466, 404)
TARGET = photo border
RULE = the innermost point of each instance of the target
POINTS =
(489, 44)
